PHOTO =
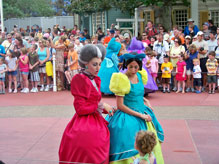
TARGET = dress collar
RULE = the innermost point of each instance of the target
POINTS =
(88, 74)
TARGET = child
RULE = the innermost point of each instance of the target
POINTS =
(12, 64)
(33, 66)
(218, 75)
(3, 69)
(72, 63)
(166, 69)
(197, 75)
(211, 66)
(152, 64)
(181, 73)
(145, 143)
(24, 69)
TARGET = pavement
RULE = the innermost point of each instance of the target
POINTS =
(32, 126)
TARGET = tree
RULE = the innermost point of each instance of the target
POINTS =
(26, 8)
(88, 6)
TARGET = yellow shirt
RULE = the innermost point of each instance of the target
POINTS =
(167, 67)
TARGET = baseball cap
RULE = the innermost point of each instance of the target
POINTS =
(166, 37)
(188, 37)
(190, 20)
(200, 33)
(112, 31)
(126, 35)
(46, 35)
(206, 24)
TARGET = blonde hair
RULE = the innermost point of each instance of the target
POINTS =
(145, 141)
(196, 60)
(24, 50)
(192, 47)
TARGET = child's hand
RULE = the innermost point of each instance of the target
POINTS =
(183, 76)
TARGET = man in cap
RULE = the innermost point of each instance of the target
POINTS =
(190, 23)
(108, 38)
(206, 31)
(127, 40)
(202, 47)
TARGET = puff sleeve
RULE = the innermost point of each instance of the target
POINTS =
(119, 84)
(144, 76)
(81, 90)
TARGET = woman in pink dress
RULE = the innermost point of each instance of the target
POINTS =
(86, 138)
(181, 73)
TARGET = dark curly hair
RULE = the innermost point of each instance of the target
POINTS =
(145, 141)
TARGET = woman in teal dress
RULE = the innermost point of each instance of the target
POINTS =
(109, 65)
(132, 113)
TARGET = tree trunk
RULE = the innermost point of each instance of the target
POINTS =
(163, 15)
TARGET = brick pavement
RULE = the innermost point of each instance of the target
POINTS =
(32, 125)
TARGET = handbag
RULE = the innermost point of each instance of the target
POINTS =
(49, 68)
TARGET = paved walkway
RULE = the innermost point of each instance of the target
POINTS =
(32, 126)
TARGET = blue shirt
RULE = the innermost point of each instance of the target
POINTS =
(189, 61)
(2, 51)
(187, 32)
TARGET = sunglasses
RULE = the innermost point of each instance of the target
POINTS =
(9, 38)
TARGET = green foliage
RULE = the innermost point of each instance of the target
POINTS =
(26, 8)
(88, 6)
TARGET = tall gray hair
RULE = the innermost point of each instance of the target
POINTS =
(90, 51)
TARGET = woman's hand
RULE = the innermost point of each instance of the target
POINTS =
(146, 117)
(109, 109)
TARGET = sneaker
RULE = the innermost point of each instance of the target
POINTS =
(164, 91)
(36, 90)
(42, 88)
(0, 92)
(187, 89)
(3, 92)
(213, 92)
(209, 92)
(203, 89)
(192, 89)
(9, 90)
(22, 90)
(47, 88)
(168, 90)
(15, 91)
(26, 90)
(50, 86)
(198, 91)
(175, 89)
(32, 90)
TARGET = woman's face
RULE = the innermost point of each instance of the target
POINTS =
(133, 68)
(93, 66)
(176, 42)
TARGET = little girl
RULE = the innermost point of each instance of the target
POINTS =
(145, 142)
(3, 69)
(12, 63)
(181, 73)
(152, 64)
(24, 69)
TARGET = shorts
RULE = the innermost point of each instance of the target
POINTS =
(24, 73)
(166, 80)
(188, 72)
(197, 82)
(34, 76)
(13, 73)
(154, 74)
(73, 72)
(42, 69)
(212, 79)
(2, 78)
(203, 65)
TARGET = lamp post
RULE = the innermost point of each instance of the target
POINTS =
(2, 20)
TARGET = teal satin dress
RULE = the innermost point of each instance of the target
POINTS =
(124, 127)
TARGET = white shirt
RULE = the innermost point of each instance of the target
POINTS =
(161, 48)
(11, 62)
(212, 45)
(197, 69)
(203, 44)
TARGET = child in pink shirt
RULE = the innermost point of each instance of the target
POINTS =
(152, 64)
(24, 69)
